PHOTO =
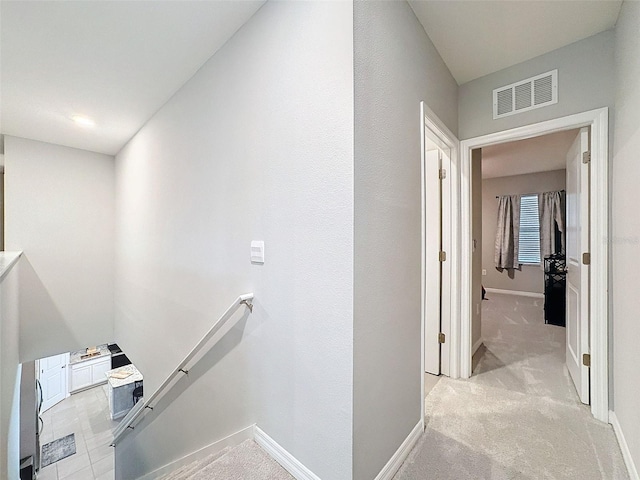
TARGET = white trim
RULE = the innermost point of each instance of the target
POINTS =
(450, 236)
(514, 292)
(216, 447)
(290, 463)
(599, 218)
(626, 453)
(476, 346)
(395, 462)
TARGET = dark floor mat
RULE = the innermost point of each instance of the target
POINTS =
(58, 449)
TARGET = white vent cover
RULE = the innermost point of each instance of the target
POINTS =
(534, 92)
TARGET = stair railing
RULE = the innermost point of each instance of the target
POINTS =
(144, 406)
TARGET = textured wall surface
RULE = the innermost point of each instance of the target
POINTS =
(59, 211)
(625, 239)
(396, 66)
(258, 145)
(585, 82)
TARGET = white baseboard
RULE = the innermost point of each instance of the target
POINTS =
(515, 292)
(394, 463)
(283, 457)
(626, 454)
(216, 447)
(476, 346)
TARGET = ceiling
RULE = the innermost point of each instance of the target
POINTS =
(538, 154)
(479, 37)
(119, 62)
(114, 62)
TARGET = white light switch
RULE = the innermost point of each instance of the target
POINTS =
(484, 272)
(257, 251)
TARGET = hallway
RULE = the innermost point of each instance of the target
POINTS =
(518, 417)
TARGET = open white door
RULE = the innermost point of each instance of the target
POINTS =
(433, 245)
(52, 373)
(577, 248)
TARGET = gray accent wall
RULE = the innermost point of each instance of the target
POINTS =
(396, 66)
(625, 239)
(585, 82)
(530, 278)
(258, 145)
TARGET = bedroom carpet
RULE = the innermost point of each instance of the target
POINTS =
(518, 417)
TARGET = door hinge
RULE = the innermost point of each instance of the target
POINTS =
(586, 258)
(441, 337)
(586, 157)
(586, 359)
(442, 174)
(442, 256)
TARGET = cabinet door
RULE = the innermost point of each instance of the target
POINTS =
(80, 377)
(98, 371)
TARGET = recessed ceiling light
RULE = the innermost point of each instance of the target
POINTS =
(83, 121)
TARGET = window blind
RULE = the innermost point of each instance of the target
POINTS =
(529, 244)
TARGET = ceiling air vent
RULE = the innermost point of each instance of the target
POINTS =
(534, 92)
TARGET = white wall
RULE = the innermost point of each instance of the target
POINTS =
(625, 240)
(530, 278)
(59, 211)
(258, 145)
(9, 371)
(585, 82)
(396, 66)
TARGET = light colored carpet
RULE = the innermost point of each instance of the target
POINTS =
(518, 417)
(247, 461)
(430, 381)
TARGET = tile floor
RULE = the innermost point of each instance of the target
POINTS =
(85, 414)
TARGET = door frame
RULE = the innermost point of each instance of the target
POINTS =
(450, 232)
(598, 120)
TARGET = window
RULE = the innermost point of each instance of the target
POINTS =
(529, 244)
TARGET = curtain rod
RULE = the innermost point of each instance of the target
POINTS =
(536, 193)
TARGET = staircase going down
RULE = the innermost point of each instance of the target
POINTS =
(247, 461)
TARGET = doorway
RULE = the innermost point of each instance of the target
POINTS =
(597, 255)
(52, 379)
(519, 191)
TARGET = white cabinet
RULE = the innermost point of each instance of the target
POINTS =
(98, 371)
(89, 373)
(80, 376)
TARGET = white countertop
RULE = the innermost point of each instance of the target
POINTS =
(121, 382)
(76, 357)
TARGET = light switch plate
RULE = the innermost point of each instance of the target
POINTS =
(257, 251)
(484, 272)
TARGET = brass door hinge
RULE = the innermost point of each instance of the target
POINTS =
(442, 256)
(442, 174)
(441, 337)
(586, 359)
(586, 157)
(586, 258)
